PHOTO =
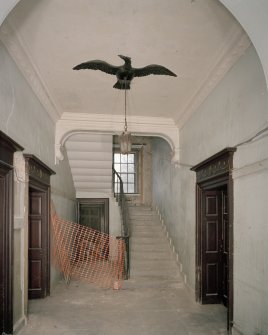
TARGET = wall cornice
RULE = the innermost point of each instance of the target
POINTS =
(21, 57)
(74, 123)
(231, 51)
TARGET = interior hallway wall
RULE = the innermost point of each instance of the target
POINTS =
(24, 119)
(235, 111)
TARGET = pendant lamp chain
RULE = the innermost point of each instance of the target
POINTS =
(125, 137)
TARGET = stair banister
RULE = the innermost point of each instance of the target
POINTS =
(118, 189)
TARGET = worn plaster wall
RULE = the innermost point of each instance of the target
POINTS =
(24, 119)
(235, 111)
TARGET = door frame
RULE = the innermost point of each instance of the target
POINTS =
(7, 149)
(96, 201)
(39, 180)
(213, 173)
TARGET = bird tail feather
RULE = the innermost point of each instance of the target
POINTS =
(122, 85)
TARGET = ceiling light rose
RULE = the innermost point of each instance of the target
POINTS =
(125, 138)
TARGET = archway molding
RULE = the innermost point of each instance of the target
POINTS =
(75, 123)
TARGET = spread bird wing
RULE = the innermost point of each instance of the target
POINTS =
(97, 65)
(153, 69)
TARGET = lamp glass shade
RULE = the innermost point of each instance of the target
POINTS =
(125, 142)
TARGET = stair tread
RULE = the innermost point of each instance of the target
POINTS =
(151, 259)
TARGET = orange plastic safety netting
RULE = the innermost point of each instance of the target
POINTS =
(87, 254)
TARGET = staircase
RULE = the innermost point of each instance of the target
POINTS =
(152, 263)
(91, 157)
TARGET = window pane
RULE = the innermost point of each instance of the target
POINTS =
(131, 178)
(117, 158)
(123, 167)
(131, 168)
(117, 167)
(131, 158)
(130, 188)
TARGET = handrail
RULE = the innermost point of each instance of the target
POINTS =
(118, 189)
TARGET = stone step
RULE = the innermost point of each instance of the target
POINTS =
(145, 223)
(147, 283)
(149, 248)
(144, 219)
(155, 264)
(147, 234)
(149, 255)
(140, 208)
(142, 213)
(151, 260)
(155, 273)
(148, 240)
(145, 227)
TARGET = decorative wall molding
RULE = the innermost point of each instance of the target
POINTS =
(37, 170)
(250, 169)
(75, 123)
(215, 166)
(22, 58)
(229, 54)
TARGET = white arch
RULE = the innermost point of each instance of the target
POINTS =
(253, 17)
(6, 7)
(73, 123)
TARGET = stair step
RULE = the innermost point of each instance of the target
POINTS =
(149, 248)
(149, 240)
(145, 223)
(152, 264)
(162, 273)
(147, 234)
(146, 228)
(151, 260)
(158, 255)
(160, 282)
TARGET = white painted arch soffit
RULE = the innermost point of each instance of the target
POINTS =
(71, 124)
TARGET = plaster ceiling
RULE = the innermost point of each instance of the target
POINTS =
(199, 40)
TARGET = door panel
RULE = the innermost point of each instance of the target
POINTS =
(38, 244)
(211, 249)
(6, 247)
(2, 256)
(225, 248)
(215, 248)
(92, 216)
(94, 213)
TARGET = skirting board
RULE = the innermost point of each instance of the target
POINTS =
(176, 255)
(19, 325)
(235, 331)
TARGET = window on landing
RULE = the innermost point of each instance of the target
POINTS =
(126, 167)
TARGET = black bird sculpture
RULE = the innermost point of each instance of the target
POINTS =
(124, 73)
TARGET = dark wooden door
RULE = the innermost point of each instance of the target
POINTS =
(94, 213)
(38, 245)
(225, 247)
(6, 246)
(214, 260)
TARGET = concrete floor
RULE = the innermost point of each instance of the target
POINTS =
(82, 309)
(153, 302)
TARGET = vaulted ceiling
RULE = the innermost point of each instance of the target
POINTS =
(199, 40)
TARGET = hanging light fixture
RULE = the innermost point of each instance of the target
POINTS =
(125, 137)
